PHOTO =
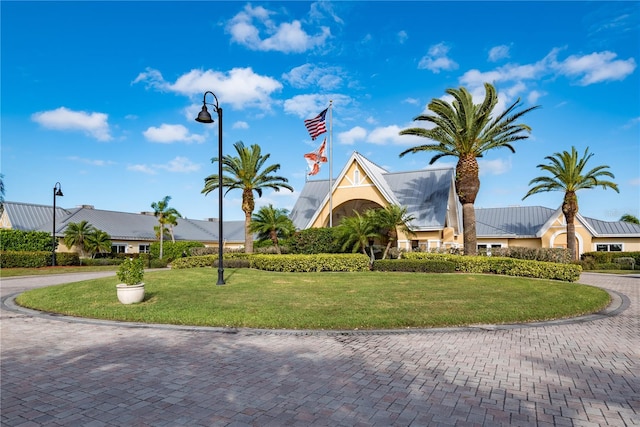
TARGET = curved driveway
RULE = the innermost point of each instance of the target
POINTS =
(63, 373)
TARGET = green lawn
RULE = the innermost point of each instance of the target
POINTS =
(347, 301)
(15, 272)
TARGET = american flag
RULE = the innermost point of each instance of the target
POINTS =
(316, 126)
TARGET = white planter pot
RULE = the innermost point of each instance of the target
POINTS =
(130, 294)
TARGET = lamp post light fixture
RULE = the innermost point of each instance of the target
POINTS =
(57, 191)
(205, 117)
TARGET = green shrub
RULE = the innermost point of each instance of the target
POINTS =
(307, 263)
(409, 265)
(608, 257)
(68, 258)
(171, 250)
(506, 266)
(314, 241)
(131, 271)
(534, 254)
(210, 261)
(28, 241)
(20, 259)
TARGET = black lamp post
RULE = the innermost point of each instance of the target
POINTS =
(57, 191)
(205, 117)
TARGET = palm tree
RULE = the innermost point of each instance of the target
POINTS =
(76, 235)
(389, 220)
(98, 242)
(569, 174)
(164, 213)
(272, 223)
(171, 221)
(465, 130)
(355, 231)
(245, 172)
(630, 218)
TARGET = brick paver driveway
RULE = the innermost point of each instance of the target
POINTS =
(586, 372)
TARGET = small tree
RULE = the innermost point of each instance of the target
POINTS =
(272, 224)
(76, 235)
(630, 218)
(355, 231)
(164, 213)
(98, 242)
(389, 220)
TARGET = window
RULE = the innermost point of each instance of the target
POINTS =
(119, 249)
(609, 247)
(143, 249)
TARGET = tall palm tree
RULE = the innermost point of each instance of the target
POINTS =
(245, 172)
(389, 220)
(355, 231)
(569, 174)
(466, 130)
(98, 242)
(164, 213)
(273, 224)
(76, 235)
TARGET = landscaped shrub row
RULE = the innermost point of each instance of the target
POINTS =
(36, 259)
(506, 266)
(414, 265)
(210, 261)
(609, 257)
(307, 263)
(534, 254)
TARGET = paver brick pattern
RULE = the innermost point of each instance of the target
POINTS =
(587, 373)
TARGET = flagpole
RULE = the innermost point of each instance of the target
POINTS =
(330, 163)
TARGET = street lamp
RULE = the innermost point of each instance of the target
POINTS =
(57, 191)
(205, 117)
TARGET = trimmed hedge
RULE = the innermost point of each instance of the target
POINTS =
(608, 257)
(171, 250)
(36, 259)
(506, 266)
(314, 241)
(410, 265)
(309, 263)
(210, 261)
(534, 254)
(28, 241)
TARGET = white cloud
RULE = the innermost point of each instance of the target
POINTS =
(635, 182)
(402, 36)
(597, 67)
(390, 135)
(167, 134)
(91, 161)
(352, 136)
(240, 87)
(141, 168)
(240, 125)
(437, 59)
(494, 167)
(307, 106)
(412, 101)
(178, 165)
(246, 27)
(534, 95)
(632, 123)
(181, 165)
(327, 78)
(498, 52)
(92, 124)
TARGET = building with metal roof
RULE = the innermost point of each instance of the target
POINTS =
(130, 232)
(429, 196)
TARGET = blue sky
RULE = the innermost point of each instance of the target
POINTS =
(102, 96)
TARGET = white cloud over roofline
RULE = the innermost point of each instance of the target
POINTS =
(167, 134)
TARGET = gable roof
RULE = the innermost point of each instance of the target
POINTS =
(27, 217)
(119, 225)
(425, 193)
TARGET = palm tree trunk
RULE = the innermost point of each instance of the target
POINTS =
(248, 205)
(467, 187)
(469, 224)
(570, 209)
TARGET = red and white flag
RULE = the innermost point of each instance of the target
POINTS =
(316, 157)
